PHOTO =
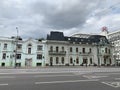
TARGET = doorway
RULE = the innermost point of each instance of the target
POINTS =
(28, 62)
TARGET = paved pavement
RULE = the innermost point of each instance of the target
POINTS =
(60, 79)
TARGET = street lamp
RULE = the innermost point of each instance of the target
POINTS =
(16, 45)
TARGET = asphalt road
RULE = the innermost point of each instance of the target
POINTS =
(59, 81)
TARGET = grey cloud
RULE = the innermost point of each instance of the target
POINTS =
(66, 16)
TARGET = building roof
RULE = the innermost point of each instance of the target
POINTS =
(59, 36)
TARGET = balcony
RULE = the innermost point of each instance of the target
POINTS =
(85, 53)
(57, 53)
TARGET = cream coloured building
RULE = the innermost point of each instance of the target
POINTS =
(63, 50)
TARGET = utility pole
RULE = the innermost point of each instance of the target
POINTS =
(16, 44)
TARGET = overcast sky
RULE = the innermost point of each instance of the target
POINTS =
(36, 18)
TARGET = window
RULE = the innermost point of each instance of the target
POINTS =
(70, 49)
(90, 50)
(71, 60)
(19, 46)
(29, 50)
(62, 48)
(105, 50)
(76, 49)
(4, 56)
(83, 50)
(57, 49)
(77, 60)
(39, 56)
(91, 61)
(51, 48)
(18, 56)
(51, 59)
(5, 46)
(62, 60)
(109, 51)
(2, 64)
(57, 60)
(38, 64)
(39, 47)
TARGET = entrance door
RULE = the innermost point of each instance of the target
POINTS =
(28, 62)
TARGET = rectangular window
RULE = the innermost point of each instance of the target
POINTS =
(62, 48)
(39, 56)
(57, 60)
(19, 46)
(4, 56)
(18, 56)
(76, 49)
(109, 51)
(39, 47)
(90, 50)
(5, 46)
(105, 50)
(83, 50)
(70, 49)
(63, 60)
(91, 61)
(29, 50)
(57, 49)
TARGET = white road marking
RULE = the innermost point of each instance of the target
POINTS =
(112, 84)
(69, 81)
(117, 78)
(93, 77)
(7, 77)
(53, 75)
(5, 84)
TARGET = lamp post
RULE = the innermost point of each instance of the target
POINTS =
(16, 44)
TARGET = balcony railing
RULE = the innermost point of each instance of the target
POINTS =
(57, 52)
(85, 53)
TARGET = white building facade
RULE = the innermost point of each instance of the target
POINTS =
(92, 51)
(56, 50)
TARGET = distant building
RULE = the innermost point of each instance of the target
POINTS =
(114, 38)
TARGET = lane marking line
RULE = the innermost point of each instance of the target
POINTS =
(6, 77)
(117, 78)
(69, 81)
(93, 76)
(5, 84)
(53, 75)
